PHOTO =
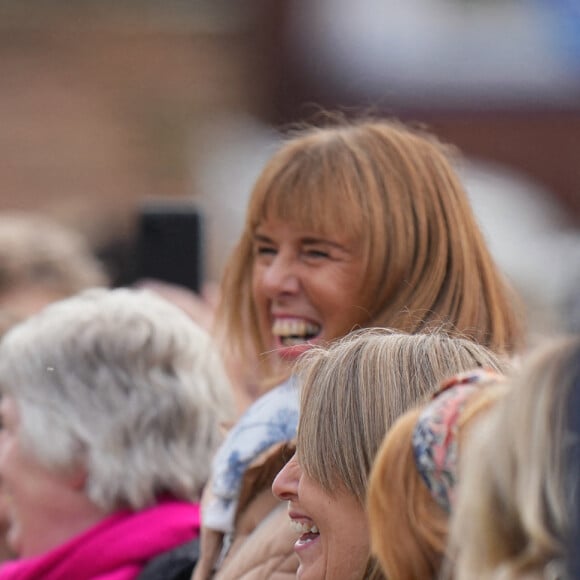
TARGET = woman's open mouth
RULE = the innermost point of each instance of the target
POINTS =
(308, 532)
(295, 331)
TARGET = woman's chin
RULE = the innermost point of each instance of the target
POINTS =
(309, 571)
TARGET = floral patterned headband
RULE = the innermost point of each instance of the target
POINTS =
(434, 440)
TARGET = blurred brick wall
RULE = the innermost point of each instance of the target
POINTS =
(97, 100)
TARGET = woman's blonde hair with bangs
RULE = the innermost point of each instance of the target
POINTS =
(393, 188)
(353, 391)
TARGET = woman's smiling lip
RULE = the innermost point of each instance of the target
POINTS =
(291, 353)
(308, 531)
(299, 517)
(285, 325)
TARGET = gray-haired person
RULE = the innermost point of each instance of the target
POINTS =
(112, 403)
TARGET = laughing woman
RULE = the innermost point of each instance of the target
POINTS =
(351, 394)
(361, 224)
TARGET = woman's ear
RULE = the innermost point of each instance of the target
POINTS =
(77, 476)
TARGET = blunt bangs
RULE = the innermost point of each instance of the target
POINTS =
(314, 184)
(329, 470)
(330, 400)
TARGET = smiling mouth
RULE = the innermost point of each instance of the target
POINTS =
(295, 331)
(308, 533)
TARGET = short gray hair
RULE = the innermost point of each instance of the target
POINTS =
(125, 383)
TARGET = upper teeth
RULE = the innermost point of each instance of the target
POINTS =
(294, 327)
(303, 528)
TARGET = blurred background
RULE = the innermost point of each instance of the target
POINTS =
(107, 104)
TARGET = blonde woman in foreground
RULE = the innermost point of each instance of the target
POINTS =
(351, 394)
(518, 503)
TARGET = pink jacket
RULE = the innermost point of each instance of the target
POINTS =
(115, 549)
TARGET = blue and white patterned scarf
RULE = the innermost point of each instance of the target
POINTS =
(271, 419)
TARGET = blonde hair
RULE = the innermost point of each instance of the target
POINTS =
(515, 509)
(425, 261)
(353, 391)
(409, 529)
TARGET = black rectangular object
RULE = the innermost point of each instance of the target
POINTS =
(169, 244)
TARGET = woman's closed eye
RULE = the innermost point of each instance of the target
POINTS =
(265, 250)
(316, 253)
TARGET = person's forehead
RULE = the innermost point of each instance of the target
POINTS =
(332, 223)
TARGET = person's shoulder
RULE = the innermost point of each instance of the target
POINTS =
(175, 564)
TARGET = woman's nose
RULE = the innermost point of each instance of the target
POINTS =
(281, 277)
(285, 486)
